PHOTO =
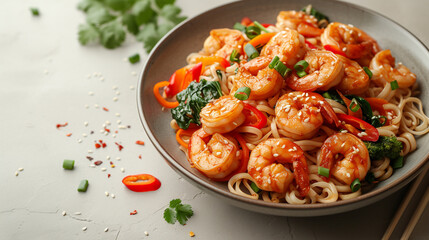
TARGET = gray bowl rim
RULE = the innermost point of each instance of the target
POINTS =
(346, 205)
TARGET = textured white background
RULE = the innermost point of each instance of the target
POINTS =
(43, 72)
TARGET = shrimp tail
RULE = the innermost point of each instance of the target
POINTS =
(301, 176)
(329, 114)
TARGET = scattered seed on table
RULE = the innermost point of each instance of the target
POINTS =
(86, 106)
(108, 157)
(133, 73)
(89, 158)
(68, 134)
(96, 105)
(115, 99)
(64, 213)
(84, 228)
(84, 135)
(90, 151)
(122, 169)
(131, 87)
(105, 109)
(92, 165)
(115, 87)
(191, 234)
(103, 169)
(146, 233)
(118, 158)
(102, 79)
(79, 140)
(106, 229)
(118, 93)
(106, 193)
(77, 213)
(113, 195)
(21, 169)
(91, 93)
(16, 174)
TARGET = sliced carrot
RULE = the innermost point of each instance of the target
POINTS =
(160, 99)
(262, 39)
(181, 133)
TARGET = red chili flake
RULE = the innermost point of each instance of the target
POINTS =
(108, 175)
(111, 163)
(103, 145)
(133, 212)
(62, 125)
(68, 134)
(140, 156)
(116, 131)
(97, 145)
(89, 158)
(98, 162)
(139, 142)
(107, 130)
(105, 109)
(119, 146)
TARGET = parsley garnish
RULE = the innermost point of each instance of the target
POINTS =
(35, 11)
(178, 212)
(108, 20)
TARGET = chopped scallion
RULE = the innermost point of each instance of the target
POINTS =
(398, 162)
(301, 66)
(219, 74)
(281, 68)
(35, 11)
(242, 93)
(83, 186)
(68, 164)
(301, 73)
(235, 56)
(394, 85)
(354, 105)
(240, 27)
(323, 171)
(251, 51)
(255, 187)
(134, 58)
(368, 72)
(260, 26)
(355, 186)
(273, 62)
(327, 95)
(252, 31)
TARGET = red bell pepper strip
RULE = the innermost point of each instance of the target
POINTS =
(251, 113)
(357, 114)
(310, 45)
(357, 126)
(141, 183)
(246, 21)
(209, 60)
(175, 83)
(193, 74)
(335, 50)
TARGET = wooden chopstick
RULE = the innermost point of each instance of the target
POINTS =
(416, 216)
(404, 204)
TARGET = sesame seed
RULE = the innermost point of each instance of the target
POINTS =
(118, 158)
(77, 213)
(118, 121)
(117, 114)
(90, 151)
(91, 93)
(283, 146)
(117, 93)
(146, 233)
(122, 169)
(275, 154)
(85, 124)
(64, 213)
(348, 174)
(269, 181)
(258, 168)
(21, 169)
(84, 135)
(131, 87)
(115, 99)
(225, 141)
(102, 79)
(115, 87)
(113, 195)
(84, 228)
(96, 105)
(108, 157)
(92, 165)
(86, 106)
(133, 73)
(103, 169)
(306, 120)
(79, 140)
(122, 126)
(106, 229)
(106, 193)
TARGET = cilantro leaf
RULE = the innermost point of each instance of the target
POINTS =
(184, 212)
(112, 34)
(149, 36)
(130, 22)
(119, 5)
(35, 11)
(165, 28)
(170, 215)
(85, 5)
(87, 33)
(175, 202)
(98, 16)
(162, 3)
(143, 12)
(178, 212)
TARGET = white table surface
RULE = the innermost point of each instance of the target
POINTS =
(44, 81)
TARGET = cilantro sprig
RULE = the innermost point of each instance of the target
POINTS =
(107, 21)
(178, 212)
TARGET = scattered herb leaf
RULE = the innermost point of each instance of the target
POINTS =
(178, 212)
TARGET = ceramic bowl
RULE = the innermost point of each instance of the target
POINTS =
(170, 54)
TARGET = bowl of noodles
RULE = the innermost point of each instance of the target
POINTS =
(288, 109)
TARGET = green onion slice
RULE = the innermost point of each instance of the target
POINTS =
(281, 68)
(301, 66)
(398, 163)
(219, 74)
(68, 164)
(255, 187)
(355, 186)
(234, 57)
(251, 51)
(35, 11)
(273, 62)
(354, 105)
(240, 27)
(323, 171)
(83, 186)
(242, 93)
(368, 72)
(252, 32)
(394, 85)
(260, 26)
(327, 95)
(134, 58)
(301, 73)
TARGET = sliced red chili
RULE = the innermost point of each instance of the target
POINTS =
(335, 50)
(254, 117)
(359, 128)
(193, 74)
(141, 183)
(133, 212)
(175, 83)
(310, 45)
(119, 146)
(62, 125)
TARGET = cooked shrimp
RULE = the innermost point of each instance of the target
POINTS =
(288, 45)
(384, 70)
(324, 71)
(222, 115)
(222, 42)
(355, 80)
(305, 24)
(270, 166)
(262, 81)
(216, 158)
(346, 156)
(354, 42)
(300, 114)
